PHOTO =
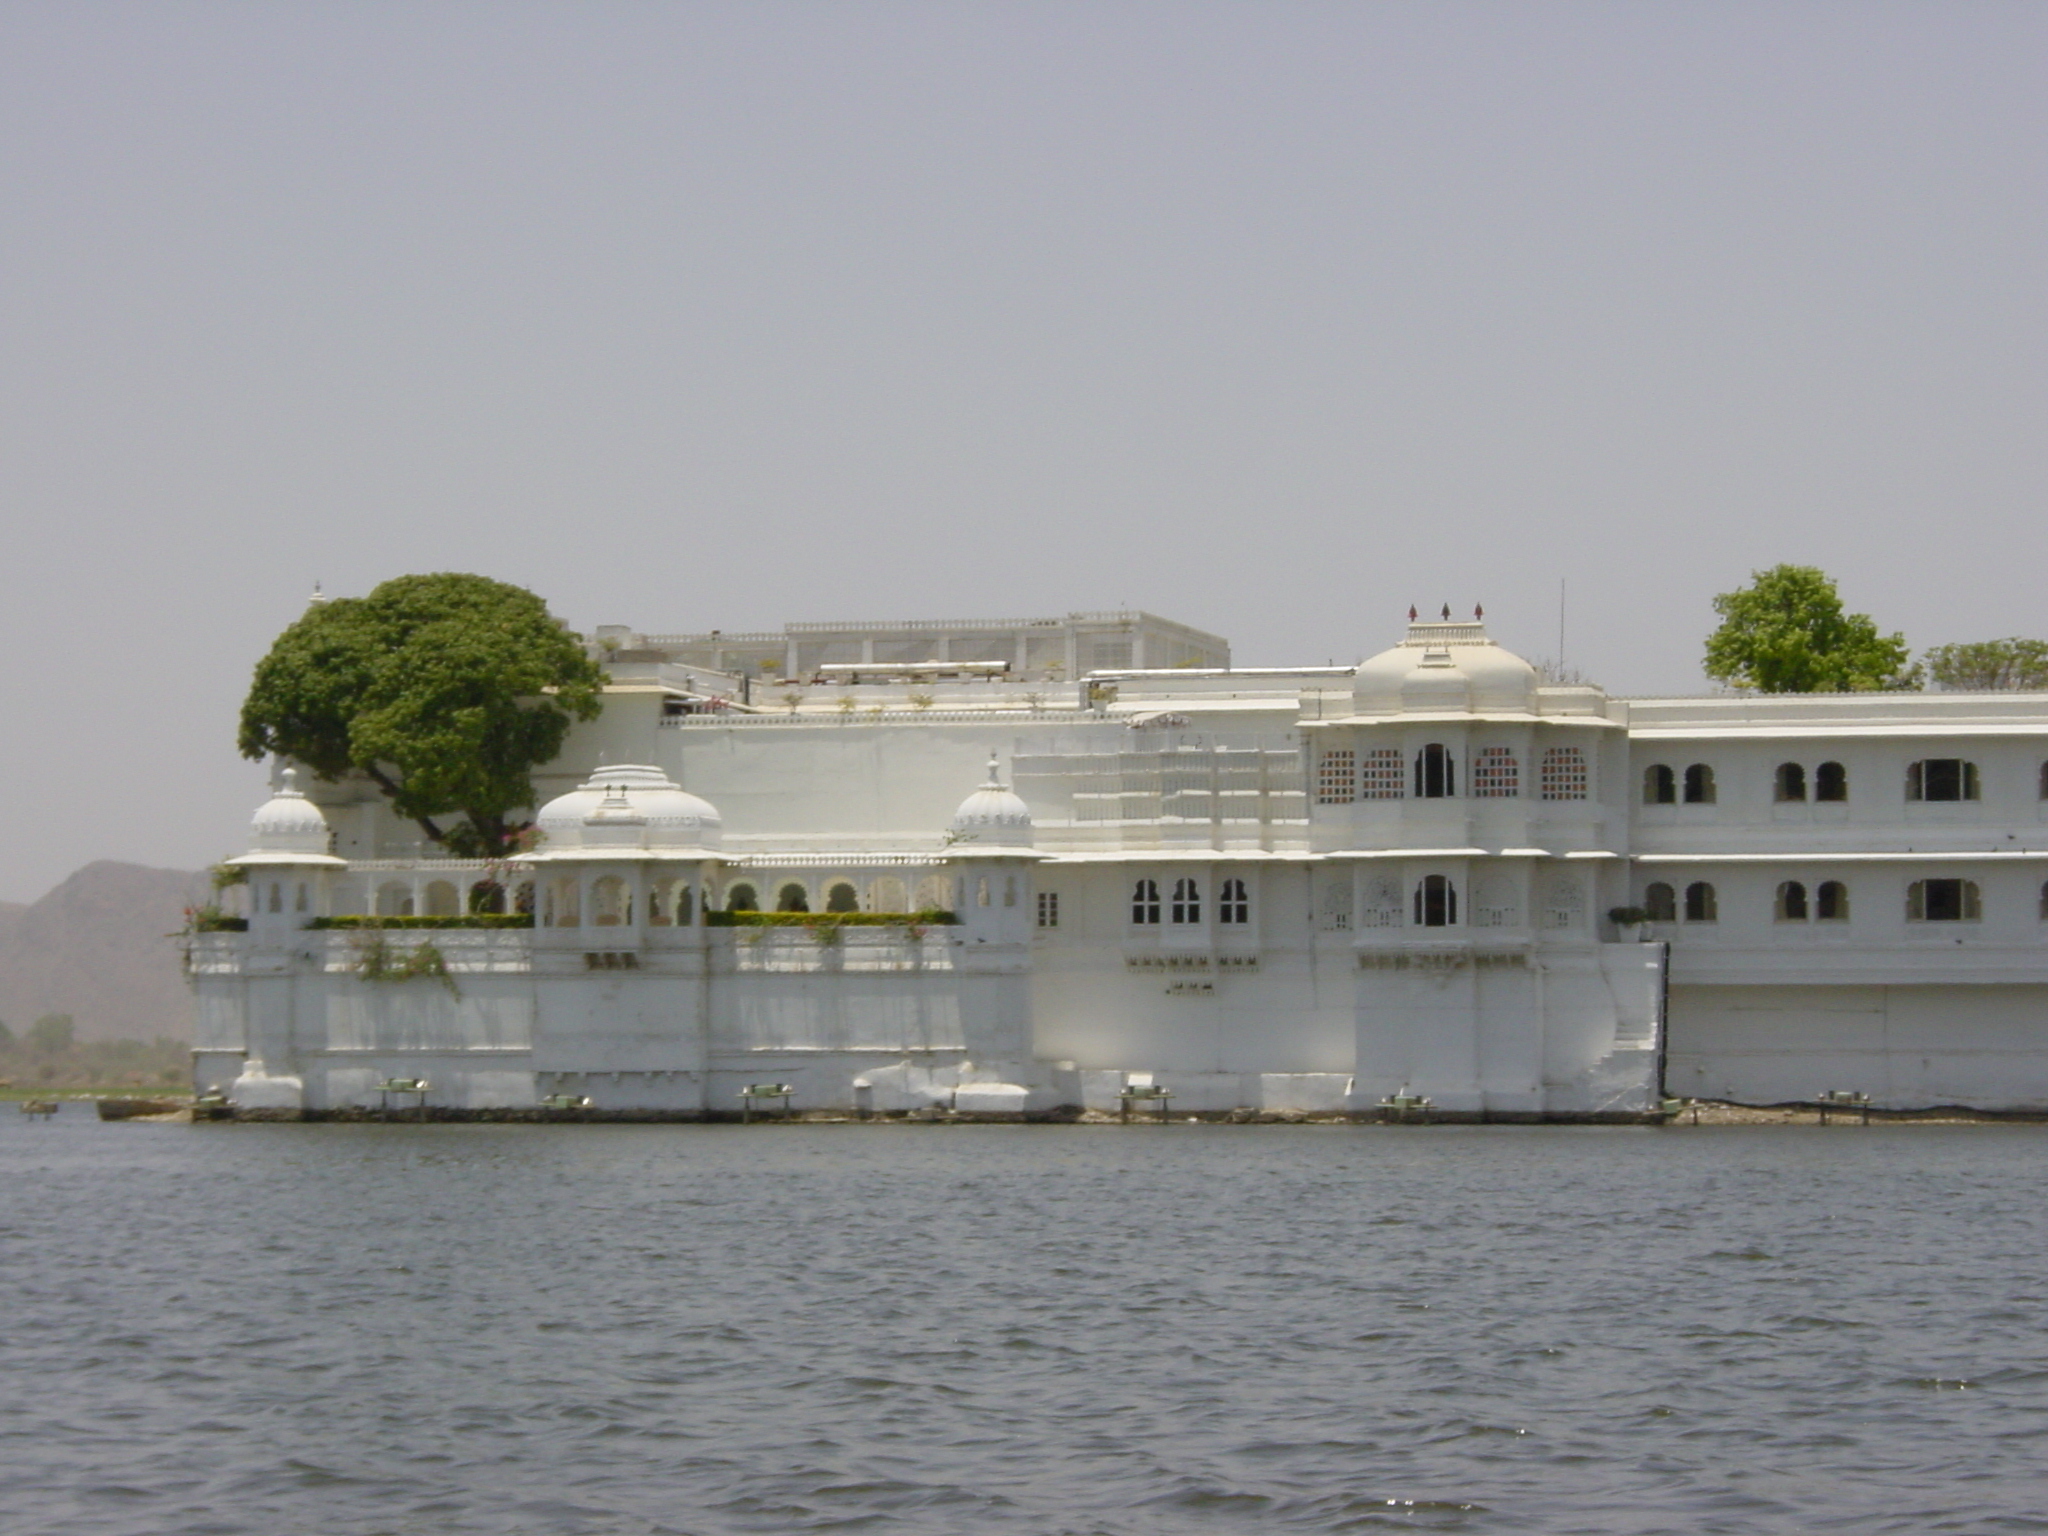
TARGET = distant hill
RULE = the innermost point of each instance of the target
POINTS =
(96, 948)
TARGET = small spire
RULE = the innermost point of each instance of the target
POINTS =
(1478, 610)
(994, 779)
(1412, 614)
(317, 598)
(1447, 613)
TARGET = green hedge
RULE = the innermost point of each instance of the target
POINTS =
(933, 918)
(460, 920)
(219, 922)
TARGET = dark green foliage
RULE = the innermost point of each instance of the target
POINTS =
(1786, 633)
(1984, 665)
(446, 691)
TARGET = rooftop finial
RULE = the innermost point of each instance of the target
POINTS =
(1447, 613)
(1412, 614)
(317, 598)
(1478, 611)
(994, 781)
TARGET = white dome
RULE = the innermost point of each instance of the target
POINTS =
(629, 805)
(993, 816)
(288, 822)
(1444, 668)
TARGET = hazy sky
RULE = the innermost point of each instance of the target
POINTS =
(1270, 317)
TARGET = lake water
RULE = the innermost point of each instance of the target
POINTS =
(353, 1329)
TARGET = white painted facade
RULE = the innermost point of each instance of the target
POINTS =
(1287, 891)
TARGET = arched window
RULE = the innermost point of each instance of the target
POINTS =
(1700, 906)
(1145, 902)
(1660, 785)
(1436, 902)
(1791, 902)
(1381, 779)
(888, 894)
(522, 898)
(487, 896)
(564, 903)
(793, 898)
(1831, 902)
(276, 896)
(1791, 782)
(1831, 782)
(441, 899)
(842, 897)
(1661, 902)
(611, 905)
(1943, 901)
(299, 901)
(657, 907)
(1009, 890)
(1564, 774)
(1941, 778)
(1187, 902)
(981, 891)
(742, 898)
(934, 894)
(1434, 779)
(1496, 775)
(1234, 906)
(394, 899)
(1699, 785)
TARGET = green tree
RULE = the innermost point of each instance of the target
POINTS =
(52, 1033)
(1982, 665)
(1786, 633)
(445, 691)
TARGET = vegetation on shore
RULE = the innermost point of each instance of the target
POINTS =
(47, 1056)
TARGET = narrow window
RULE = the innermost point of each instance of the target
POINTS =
(1009, 890)
(1791, 782)
(299, 904)
(1564, 774)
(842, 898)
(1661, 902)
(1831, 782)
(1941, 778)
(1943, 901)
(792, 898)
(741, 898)
(1048, 909)
(1187, 902)
(1381, 779)
(1831, 902)
(1337, 778)
(1496, 775)
(1145, 902)
(1436, 902)
(1700, 906)
(1433, 774)
(276, 896)
(1660, 785)
(1235, 905)
(1791, 902)
(686, 911)
(1699, 785)
(2044, 903)
(2044, 781)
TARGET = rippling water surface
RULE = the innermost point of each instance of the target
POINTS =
(357, 1329)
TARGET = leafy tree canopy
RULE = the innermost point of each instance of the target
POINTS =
(52, 1032)
(1987, 664)
(1786, 633)
(446, 691)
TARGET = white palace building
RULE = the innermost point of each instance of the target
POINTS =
(1297, 891)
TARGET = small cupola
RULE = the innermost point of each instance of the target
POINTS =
(289, 823)
(994, 816)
